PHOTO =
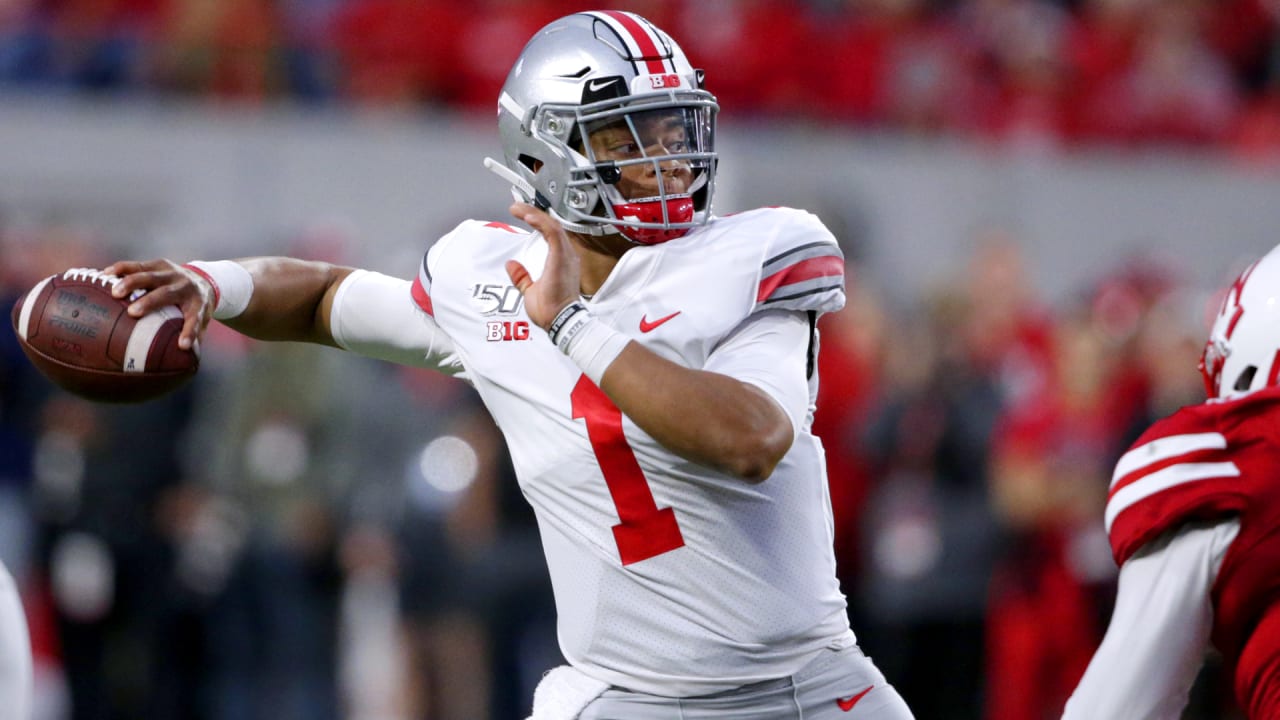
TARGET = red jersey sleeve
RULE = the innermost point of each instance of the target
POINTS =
(1204, 462)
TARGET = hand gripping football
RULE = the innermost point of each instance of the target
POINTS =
(82, 339)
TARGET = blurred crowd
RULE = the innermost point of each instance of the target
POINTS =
(1042, 73)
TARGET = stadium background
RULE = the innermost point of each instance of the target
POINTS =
(1037, 199)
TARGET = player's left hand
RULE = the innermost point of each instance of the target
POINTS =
(166, 283)
(560, 281)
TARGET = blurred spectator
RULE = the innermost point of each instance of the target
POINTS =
(397, 52)
(1016, 52)
(310, 65)
(888, 63)
(227, 49)
(1037, 74)
(1173, 89)
(477, 596)
(1256, 137)
(487, 40)
(99, 473)
(1049, 480)
(1043, 439)
(1253, 42)
(930, 538)
(751, 51)
(850, 367)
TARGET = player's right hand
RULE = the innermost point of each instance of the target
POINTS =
(167, 283)
(560, 281)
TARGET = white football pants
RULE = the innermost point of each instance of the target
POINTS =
(840, 684)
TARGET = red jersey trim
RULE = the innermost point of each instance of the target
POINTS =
(421, 297)
(819, 267)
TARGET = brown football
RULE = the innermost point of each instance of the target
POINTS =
(82, 339)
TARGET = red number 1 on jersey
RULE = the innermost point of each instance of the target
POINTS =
(644, 530)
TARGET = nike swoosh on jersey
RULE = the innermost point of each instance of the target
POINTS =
(646, 326)
(846, 704)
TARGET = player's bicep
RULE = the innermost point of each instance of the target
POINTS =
(375, 315)
(769, 351)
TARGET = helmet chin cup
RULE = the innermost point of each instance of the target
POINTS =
(650, 212)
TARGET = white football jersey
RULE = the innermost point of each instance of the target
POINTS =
(670, 578)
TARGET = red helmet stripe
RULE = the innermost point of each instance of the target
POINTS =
(1235, 318)
(1275, 370)
(643, 39)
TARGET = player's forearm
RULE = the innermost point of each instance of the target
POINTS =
(291, 299)
(704, 417)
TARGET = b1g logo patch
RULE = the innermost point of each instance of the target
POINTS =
(506, 330)
(658, 82)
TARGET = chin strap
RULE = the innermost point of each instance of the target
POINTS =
(523, 191)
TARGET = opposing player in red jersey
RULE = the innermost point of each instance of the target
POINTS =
(652, 368)
(1194, 521)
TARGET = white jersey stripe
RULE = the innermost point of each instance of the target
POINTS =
(1163, 449)
(1162, 480)
(29, 302)
(142, 337)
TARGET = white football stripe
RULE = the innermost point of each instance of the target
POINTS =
(1164, 448)
(1161, 480)
(144, 333)
(24, 315)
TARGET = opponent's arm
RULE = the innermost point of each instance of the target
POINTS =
(290, 300)
(1159, 630)
(705, 417)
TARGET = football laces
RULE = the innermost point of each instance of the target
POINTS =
(91, 275)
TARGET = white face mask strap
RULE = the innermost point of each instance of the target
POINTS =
(518, 184)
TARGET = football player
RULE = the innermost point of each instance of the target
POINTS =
(652, 368)
(1193, 514)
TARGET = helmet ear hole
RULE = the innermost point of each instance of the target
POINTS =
(530, 162)
(1245, 379)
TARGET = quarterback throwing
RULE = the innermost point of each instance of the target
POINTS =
(652, 368)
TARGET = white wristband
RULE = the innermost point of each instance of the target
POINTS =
(591, 344)
(232, 285)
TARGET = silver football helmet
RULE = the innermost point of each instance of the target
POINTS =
(595, 95)
(1243, 351)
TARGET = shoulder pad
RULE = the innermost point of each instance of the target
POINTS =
(802, 266)
(1166, 476)
(466, 230)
